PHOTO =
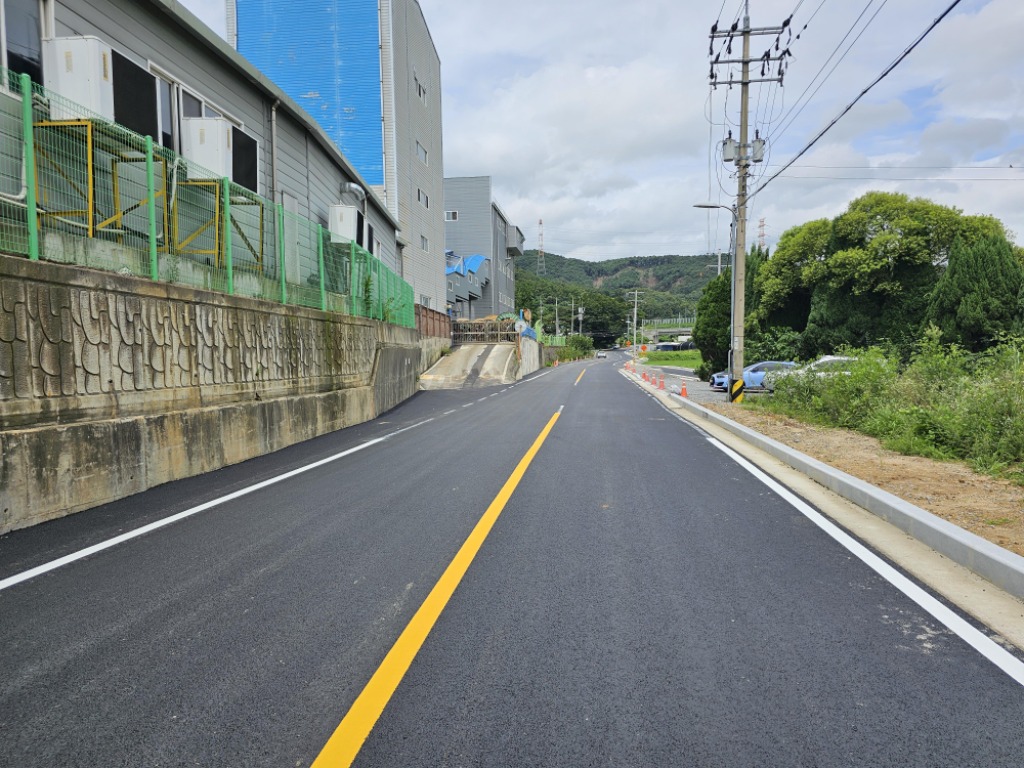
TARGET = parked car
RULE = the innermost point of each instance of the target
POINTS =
(754, 375)
(828, 365)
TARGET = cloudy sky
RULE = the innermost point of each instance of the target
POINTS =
(597, 116)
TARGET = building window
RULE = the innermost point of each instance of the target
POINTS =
(424, 243)
(421, 89)
(174, 102)
(421, 152)
(451, 215)
(23, 39)
(451, 286)
(422, 199)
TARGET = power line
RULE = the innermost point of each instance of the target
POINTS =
(906, 167)
(850, 106)
(897, 178)
(787, 120)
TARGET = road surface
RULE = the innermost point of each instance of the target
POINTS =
(556, 573)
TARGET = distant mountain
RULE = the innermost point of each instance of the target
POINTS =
(671, 284)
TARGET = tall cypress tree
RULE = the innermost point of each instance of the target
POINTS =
(979, 295)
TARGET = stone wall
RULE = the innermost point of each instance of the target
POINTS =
(111, 384)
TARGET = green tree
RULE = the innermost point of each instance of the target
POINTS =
(882, 263)
(711, 329)
(979, 296)
(783, 282)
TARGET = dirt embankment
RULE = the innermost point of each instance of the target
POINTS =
(986, 506)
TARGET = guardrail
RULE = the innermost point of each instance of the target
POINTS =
(69, 176)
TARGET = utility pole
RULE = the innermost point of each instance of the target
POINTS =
(541, 268)
(636, 300)
(742, 154)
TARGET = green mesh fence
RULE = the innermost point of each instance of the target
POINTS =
(105, 197)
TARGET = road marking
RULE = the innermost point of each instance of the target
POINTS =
(580, 377)
(92, 550)
(348, 738)
(984, 645)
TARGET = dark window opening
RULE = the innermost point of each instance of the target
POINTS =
(24, 38)
(243, 159)
(190, 105)
(167, 124)
(134, 96)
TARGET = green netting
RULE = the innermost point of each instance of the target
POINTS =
(108, 198)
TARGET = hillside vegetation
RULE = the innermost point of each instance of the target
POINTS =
(671, 285)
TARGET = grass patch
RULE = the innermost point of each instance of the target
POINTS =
(684, 358)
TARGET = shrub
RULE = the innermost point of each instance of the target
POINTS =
(946, 404)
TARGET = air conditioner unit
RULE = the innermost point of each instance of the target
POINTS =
(345, 223)
(80, 70)
(206, 143)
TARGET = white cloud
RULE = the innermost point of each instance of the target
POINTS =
(594, 115)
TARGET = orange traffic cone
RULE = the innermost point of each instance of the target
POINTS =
(661, 383)
(682, 389)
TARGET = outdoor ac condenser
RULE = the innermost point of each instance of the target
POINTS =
(206, 143)
(80, 70)
(345, 223)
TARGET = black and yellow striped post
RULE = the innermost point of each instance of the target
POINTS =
(736, 391)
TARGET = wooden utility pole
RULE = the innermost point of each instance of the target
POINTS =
(742, 154)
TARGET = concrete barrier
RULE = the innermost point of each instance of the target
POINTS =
(111, 384)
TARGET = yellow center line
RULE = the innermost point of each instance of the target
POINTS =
(348, 738)
(579, 377)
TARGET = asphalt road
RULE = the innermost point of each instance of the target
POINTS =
(641, 600)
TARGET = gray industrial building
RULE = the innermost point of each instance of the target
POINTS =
(387, 115)
(475, 226)
(153, 67)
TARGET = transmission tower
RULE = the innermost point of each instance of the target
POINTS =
(541, 269)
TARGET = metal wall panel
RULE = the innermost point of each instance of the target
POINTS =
(327, 58)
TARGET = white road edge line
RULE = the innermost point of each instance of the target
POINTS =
(83, 553)
(987, 647)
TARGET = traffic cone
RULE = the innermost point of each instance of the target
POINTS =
(682, 389)
(661, 383)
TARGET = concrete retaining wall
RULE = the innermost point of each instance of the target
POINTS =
(111, 384)
(530, 354)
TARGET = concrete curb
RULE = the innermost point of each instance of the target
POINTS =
(999, 566)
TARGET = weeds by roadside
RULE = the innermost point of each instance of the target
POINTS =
(944, 403)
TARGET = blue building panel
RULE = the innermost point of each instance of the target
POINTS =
(325, 54)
